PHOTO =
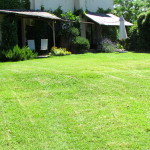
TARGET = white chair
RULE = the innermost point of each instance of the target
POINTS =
(44, 44)
(31, 44)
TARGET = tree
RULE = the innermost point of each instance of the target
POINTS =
(14, 4)
(130, 9)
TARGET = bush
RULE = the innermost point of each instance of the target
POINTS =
(59, 51)
(80, 44)
(17, 54)
(107, 46)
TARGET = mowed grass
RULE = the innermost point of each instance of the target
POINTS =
(78, 102)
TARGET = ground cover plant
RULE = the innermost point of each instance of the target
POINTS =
(90, 101)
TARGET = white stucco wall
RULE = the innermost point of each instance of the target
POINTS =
(93, 5)
(53, 4)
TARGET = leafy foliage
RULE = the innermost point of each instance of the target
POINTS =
(17, 54)
(130, 9)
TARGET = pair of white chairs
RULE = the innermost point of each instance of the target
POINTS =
(44, 44)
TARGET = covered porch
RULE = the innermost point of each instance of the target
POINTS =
(26, 24)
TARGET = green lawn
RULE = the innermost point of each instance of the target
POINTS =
(77, 102)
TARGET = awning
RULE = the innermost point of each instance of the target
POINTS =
(31, 14)
(106, 19)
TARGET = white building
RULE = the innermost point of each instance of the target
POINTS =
(90, 5)
(66, 5)
(71, 5)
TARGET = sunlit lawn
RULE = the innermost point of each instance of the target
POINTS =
(85, 102)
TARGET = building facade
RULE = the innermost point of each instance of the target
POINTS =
(90, 5)
(66, 5)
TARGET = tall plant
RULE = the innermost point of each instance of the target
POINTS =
(9, 32)
(9, 24)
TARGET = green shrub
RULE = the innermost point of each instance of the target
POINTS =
(17, 54)
(59, 51)
(107, 46)
(80, 44)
